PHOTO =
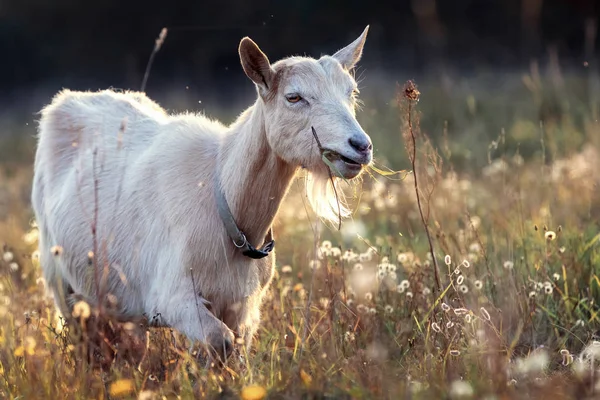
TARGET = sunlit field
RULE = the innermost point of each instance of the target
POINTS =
(507, 195)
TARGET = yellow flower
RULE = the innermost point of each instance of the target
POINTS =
(253, 392)
(121, 387)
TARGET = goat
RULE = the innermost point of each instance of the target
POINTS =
(162, 212)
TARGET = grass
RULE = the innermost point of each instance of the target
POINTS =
(358, 313)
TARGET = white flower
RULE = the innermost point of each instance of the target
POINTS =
(509, 264)
(8, 257)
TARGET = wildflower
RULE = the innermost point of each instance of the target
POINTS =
(372, 311)
(121, 388)
(389, 309)
(405, 284)
(485, 314)
(460, 279)
(324, 301)
(81, 309)
(409, 295)
(426, 291)
(286, 269)
(556, 276)
(509, 264)
(336, 252)
(400, 289)
(326, 245)
(436, 327)
(475, 248)
(358, 267)
(364, 257)
(548, 290)
(448, 259)
(478, 284)
(460, 390)
(532, 294)
(8, 256)
(56, 250)
(550, 235)
(567, 357)
(391, 268)
(463, 288)
(445, 307)
(562, 249)
(402, 258)
(14, 267)
(349, 336)
(361, 308)
(368, 296)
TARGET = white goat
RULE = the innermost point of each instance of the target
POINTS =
(146, 206)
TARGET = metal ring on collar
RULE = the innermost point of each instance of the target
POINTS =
(243, 243)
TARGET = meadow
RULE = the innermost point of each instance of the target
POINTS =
(498, 176)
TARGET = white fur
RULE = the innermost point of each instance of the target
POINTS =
(144, 179)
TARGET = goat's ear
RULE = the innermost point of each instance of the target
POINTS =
(256, 64)
(349, 55)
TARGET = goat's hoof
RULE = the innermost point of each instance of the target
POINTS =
(221, 345)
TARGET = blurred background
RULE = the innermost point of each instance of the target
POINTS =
(485, 67)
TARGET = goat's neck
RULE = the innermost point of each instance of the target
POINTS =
(253, 178)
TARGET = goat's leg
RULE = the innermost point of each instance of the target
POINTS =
(187, 312)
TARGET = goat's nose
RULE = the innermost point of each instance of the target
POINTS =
(360, 144)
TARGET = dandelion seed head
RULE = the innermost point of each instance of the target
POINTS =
(286, 269)
(478, 284)
(556, 276)
(532, 294)
(400, 289)
(461, 389)
(368, 296)
(8, 256)
(81, 309)
(405, 284)
(372, 311)
(463, 288)
(548, 290)
(409, 295)
(326, 245)
(389, 309)
(550, 235)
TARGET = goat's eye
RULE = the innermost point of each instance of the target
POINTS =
(293, 97)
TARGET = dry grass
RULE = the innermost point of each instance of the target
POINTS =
(516, 316)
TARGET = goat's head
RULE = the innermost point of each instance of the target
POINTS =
(301, 93)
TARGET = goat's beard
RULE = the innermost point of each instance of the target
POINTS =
(326, 196)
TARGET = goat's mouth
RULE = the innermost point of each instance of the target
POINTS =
(343, 166)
